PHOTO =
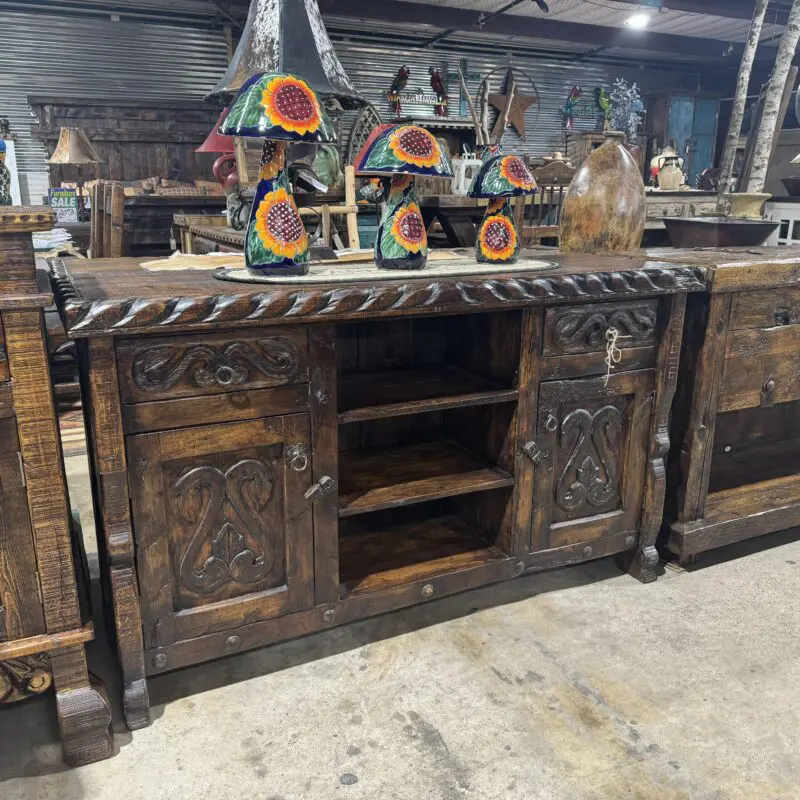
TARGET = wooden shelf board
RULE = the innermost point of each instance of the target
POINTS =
(740, 501)
(45, 642)
(375, 395)
(403, 552)
(372, 480)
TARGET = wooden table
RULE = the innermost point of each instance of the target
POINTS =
(44, 615)
(738, 409)
(275, 460)
(460, 216)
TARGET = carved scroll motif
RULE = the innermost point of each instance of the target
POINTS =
(162, 367)
(589, 327)
(225, 507)
(24, 677)
(591, 476)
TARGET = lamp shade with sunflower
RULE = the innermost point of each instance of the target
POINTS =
(278, 108)
(401, 152)
(499, 179)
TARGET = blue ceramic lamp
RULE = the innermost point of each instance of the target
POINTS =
(499, 179)
(278, 108)
(402, 152)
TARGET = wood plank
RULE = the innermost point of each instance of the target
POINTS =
(374, 395)
(581, 365)
(400, 476)
(40, 446)
(527, 411)
(160, 415)
(742, 501)
(400, 553)
(698, 449)
(323, 347)
(44, 643)
(19, 588)
(690, 538)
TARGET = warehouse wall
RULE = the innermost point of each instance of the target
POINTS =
(49, 55)
(97, 58)
(372, 70)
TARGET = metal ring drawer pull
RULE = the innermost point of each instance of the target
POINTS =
(224, 376)
(551, 423)
(298, 457)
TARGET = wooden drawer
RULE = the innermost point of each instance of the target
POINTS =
(582, 328)
(189, 366)
(756, 357)
(765, 309)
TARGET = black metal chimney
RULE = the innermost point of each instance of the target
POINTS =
(287, 36)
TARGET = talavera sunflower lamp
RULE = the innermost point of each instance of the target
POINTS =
(499, 179)
(402, 152)
(279, 109)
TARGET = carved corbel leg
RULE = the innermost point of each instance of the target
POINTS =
(644, 563)
(84, 717)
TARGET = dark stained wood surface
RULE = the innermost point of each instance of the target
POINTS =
(400, 476)
(398, 552)
(116, 296)
(373, 395)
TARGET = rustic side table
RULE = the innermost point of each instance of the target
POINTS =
(43, 621)
(737, 412)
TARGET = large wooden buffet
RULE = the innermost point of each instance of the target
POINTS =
(270, 461)
(737, 413)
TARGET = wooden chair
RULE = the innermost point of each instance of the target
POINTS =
(108, 215)
(542, 217)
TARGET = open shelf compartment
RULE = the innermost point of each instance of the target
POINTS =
(405, 475)
(387, 549)
(417, 365)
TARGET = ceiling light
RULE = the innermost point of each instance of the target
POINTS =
(638, 21)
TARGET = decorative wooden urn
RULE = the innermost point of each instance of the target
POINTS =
(605, 206)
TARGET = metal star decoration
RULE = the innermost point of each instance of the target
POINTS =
(516, 103)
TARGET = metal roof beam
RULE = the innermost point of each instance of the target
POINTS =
(777, 14)
(447, 18)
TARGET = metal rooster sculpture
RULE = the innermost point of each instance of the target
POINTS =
(398, 84)
(437, 84)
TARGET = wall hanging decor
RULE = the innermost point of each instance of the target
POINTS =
(402, 152)
(499, 179)
(278, 108)
(5, 177)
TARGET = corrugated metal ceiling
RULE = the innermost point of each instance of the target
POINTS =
(611, 14)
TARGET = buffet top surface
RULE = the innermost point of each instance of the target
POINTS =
(114, 296)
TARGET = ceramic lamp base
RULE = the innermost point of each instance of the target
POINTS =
(402, 242)
(276, 242)
(498, 242)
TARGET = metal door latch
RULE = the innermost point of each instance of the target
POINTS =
(536, 453)
(322, 488)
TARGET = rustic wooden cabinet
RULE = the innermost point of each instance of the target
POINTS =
(738, 411)
(273, 460)
(44, 619)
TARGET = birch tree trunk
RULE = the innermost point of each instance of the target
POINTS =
(772, 102)
(740, 97)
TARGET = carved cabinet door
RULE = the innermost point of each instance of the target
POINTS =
(223, 531)
(590, 458)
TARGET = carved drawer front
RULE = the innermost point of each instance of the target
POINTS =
(590, 454)
(762, 367)
(584, 328)
(222, 528)
(187, 366)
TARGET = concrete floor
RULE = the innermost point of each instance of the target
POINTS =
(576, 684)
